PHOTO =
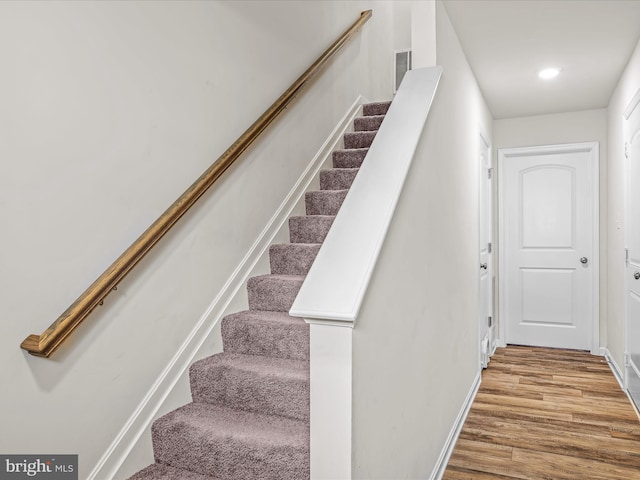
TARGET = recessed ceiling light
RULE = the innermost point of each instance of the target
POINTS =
(548, 73)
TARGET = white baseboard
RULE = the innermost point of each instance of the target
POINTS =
(631, 379)
(615, 368)
(140, 420)
(445, 455)
(622, 376)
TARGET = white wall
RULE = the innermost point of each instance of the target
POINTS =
(624, 92)
(571, 127)
(401, 24)
(415, 347)
(423, 38)
(109, 111)
(413, 28)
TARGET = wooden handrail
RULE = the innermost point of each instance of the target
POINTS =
(45, 344)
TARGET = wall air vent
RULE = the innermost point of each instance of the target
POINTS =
(401, 65)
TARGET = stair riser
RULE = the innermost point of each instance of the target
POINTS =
(358, 139)
(379, 108)
(370, 123)
(273, 294)
(349, 158)
(309, 229)
(269, 339)
(337, 179)
(233, 387)
(324, 202)
(226, 458)
(292, 259)
(159, 471)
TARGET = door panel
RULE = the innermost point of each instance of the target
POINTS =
(633, 237)
(547, 228)
(548, 296)
(547, 199)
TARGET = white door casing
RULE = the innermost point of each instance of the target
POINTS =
(548, 201)
(485, 264)
(632, 241)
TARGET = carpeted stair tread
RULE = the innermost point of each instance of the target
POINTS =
(158, 471)
(324, 202)
(274, 293)
(349, 157)
(371, 122)
(273, 386)
(231, 444)
(358, 139)
(273, 334)
(376, 108)
(309, 228)
(337, 178)
(292, 258)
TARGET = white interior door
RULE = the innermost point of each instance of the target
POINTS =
(632, 333)
(485, 307)
(548, 205)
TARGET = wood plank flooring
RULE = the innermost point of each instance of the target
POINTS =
(552, 414)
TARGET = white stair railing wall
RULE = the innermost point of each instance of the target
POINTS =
(341, 291)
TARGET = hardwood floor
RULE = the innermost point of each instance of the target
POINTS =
(552, 414)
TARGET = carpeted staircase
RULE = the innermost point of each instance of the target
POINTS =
(249, 418)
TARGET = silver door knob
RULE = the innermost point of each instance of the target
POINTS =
(584, 260)
(483, 265)
(636, 275)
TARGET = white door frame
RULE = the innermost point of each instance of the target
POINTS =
(633, 104)
(593, 149)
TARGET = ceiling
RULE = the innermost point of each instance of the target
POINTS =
(508, 41)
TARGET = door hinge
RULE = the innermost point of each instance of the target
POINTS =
(490, 322)
(626, 150)
(489, 247)
(626, 257)
(489, 172)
